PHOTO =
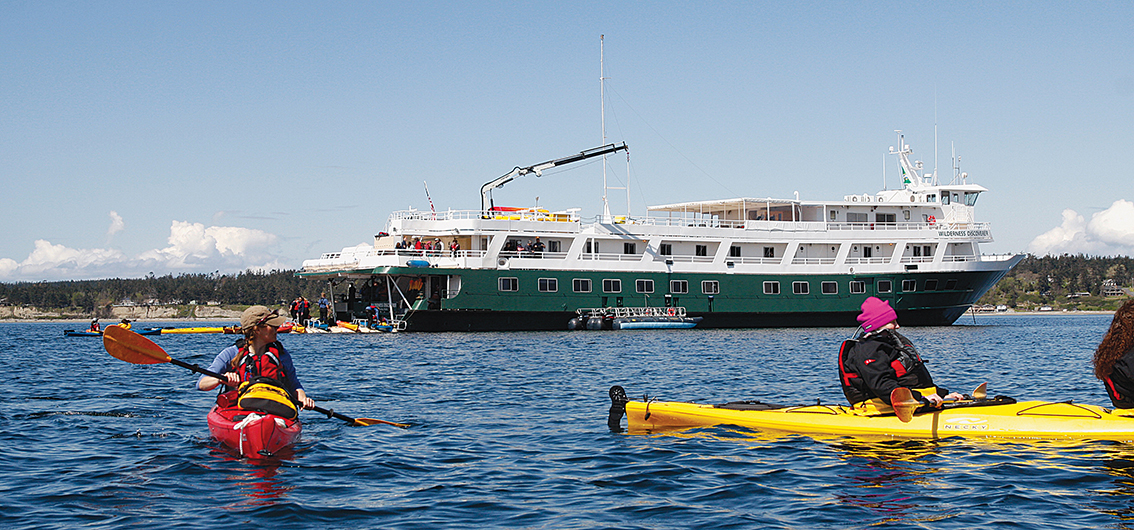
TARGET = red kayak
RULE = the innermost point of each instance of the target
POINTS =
(253, 434)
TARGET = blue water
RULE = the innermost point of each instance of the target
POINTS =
(509, 431)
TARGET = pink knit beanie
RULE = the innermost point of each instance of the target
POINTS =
(875, 314)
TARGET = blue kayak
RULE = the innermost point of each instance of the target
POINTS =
(88, 333)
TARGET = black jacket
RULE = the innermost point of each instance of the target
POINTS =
(1120, 384)
(874, 366)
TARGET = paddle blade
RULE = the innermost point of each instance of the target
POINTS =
(366, 422)
(904, 404)
(131, 347)
(981, 392)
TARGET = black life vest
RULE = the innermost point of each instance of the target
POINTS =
(907, 361)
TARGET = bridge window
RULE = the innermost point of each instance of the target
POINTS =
(666, 249)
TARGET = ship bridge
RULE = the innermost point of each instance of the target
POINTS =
(740, 209)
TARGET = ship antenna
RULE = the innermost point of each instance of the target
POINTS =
(602, 114)
(935, 135)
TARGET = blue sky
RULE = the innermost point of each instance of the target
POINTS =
(168, 137)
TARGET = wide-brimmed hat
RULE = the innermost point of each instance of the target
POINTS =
(258, 314)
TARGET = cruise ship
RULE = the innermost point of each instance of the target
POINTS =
(743, 262)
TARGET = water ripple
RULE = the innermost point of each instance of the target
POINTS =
(509, 431)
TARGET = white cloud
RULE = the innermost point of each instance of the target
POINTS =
(116, 224)
(193, 247)
(1109, 232)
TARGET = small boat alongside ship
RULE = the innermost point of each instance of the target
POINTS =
(734, 263)
(633, 318)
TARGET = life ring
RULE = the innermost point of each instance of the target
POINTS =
(931, 219)
(670, 311)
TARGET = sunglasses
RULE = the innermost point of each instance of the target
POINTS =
(269, 316)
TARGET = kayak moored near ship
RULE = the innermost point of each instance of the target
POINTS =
(228, 330)
(998, 418)
(742, 262)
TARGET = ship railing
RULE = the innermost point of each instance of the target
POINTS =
(917, 259)
(526, 214)
(533, 255)
(955, 259)
(908, 226)
(813, 261)
(686, 259)
(752, 260)
(610, 256)
(629, 312)
(996, 257)
(867, 261)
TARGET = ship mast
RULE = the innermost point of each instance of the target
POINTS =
(602, 115)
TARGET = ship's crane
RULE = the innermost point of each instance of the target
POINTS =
(486, 190)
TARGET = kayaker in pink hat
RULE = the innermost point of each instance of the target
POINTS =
(871, 367)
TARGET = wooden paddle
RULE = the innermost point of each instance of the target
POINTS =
(133, 348)
(901, 399)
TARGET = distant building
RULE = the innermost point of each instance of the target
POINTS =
(1111, 288)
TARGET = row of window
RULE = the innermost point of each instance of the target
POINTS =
(583, 285)
(666, 249)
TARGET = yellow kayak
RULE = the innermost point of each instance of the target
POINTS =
(998, 417)
(175, 331)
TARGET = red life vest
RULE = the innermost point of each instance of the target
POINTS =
(262, 367)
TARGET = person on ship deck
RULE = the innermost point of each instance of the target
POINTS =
(881, 360)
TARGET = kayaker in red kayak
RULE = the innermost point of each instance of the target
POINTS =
(871, 367)
(259, 325)
(1114, 358)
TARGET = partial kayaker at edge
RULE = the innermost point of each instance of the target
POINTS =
(1114, 358)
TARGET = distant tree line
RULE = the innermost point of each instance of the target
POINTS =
(1067, 281)
(245, 288)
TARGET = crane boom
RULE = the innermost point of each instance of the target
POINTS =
(486, 190)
